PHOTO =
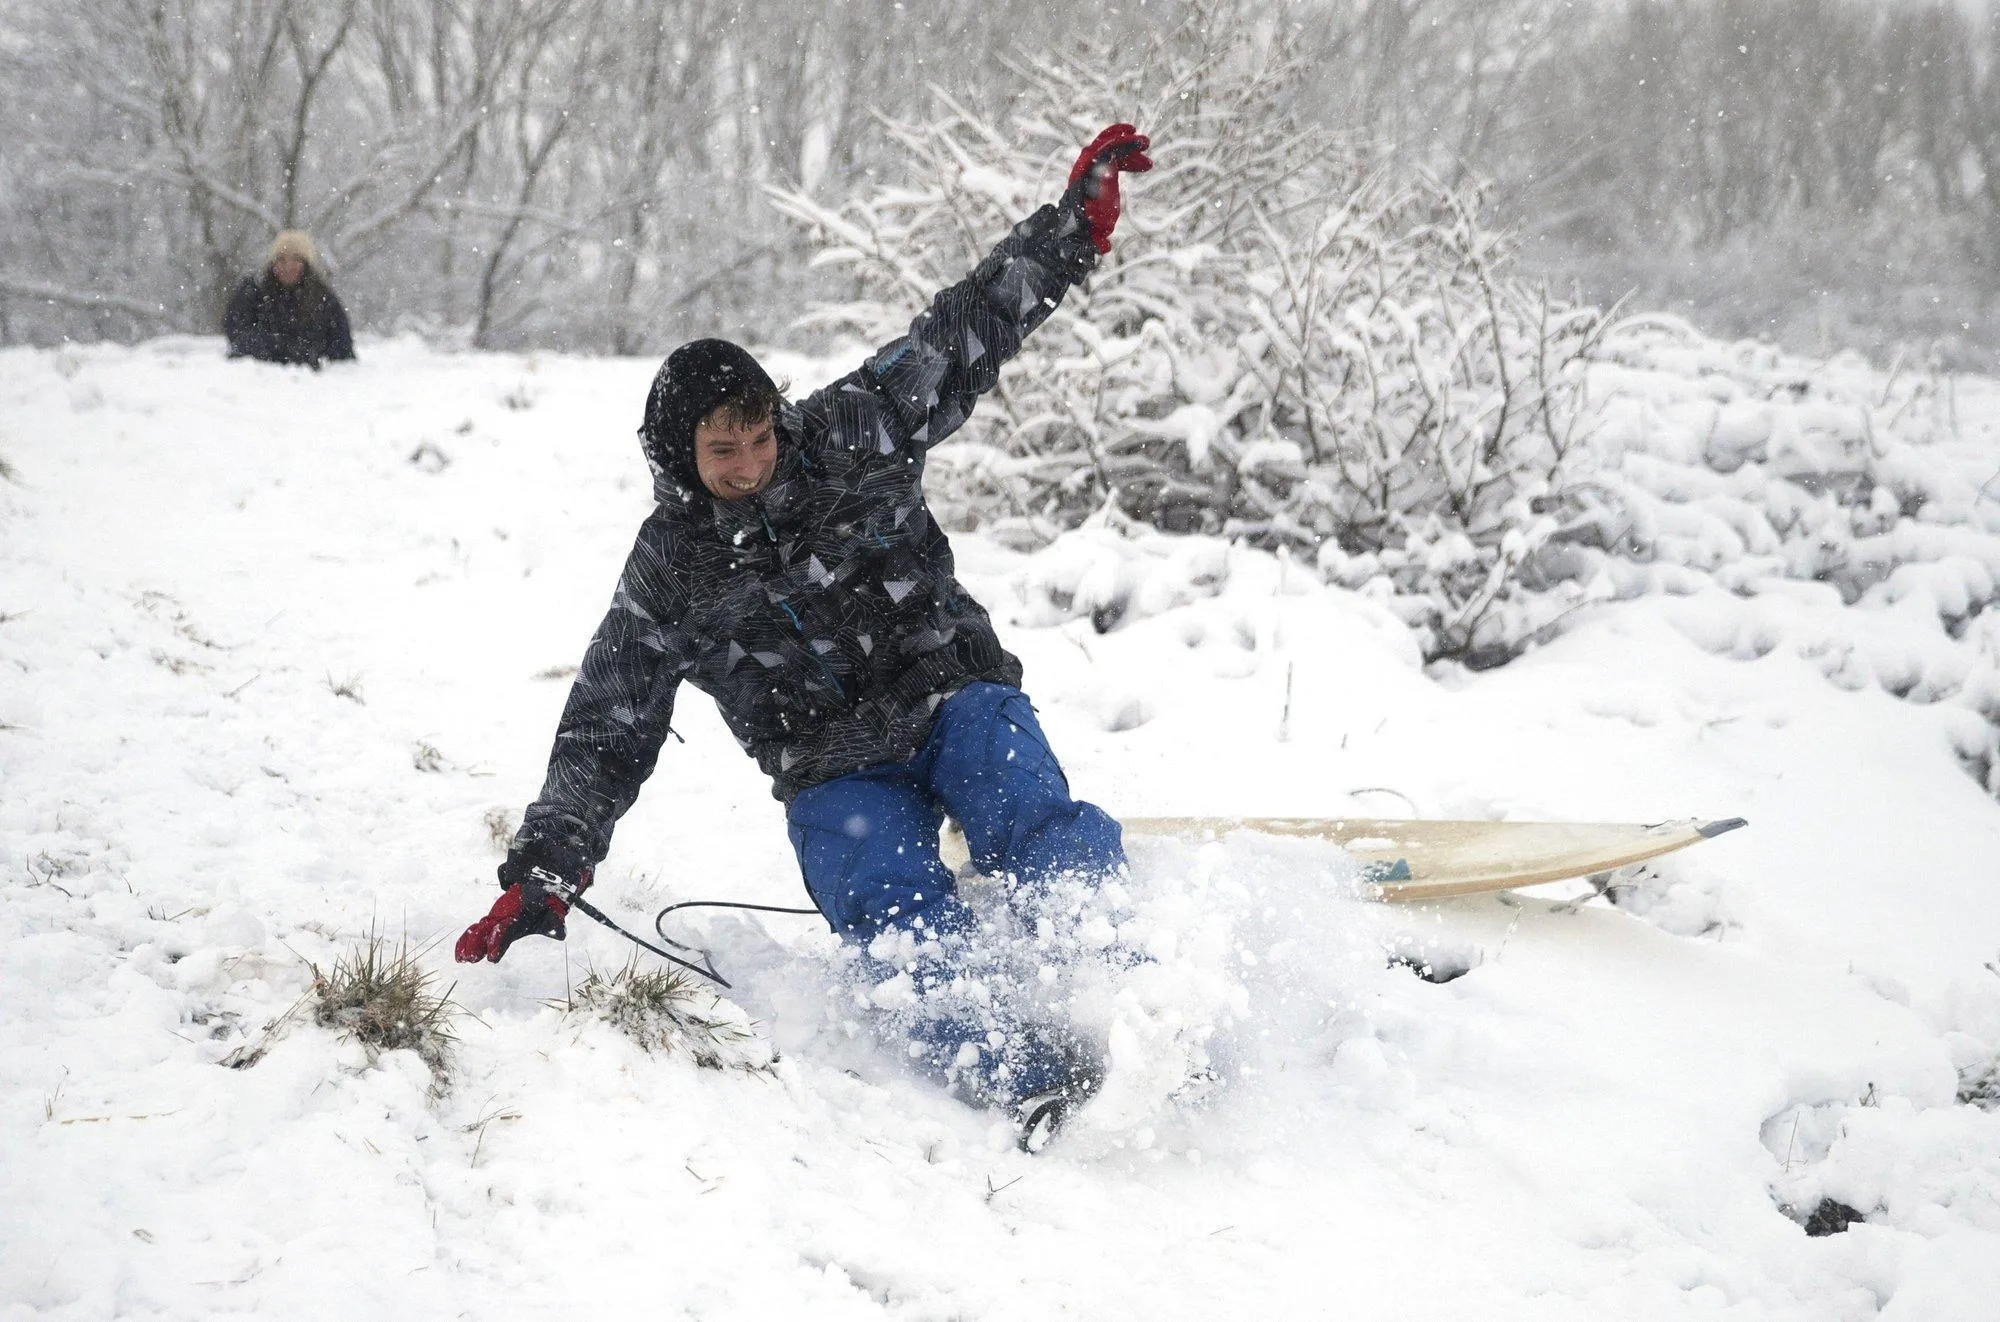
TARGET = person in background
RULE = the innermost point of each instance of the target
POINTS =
(287, 313)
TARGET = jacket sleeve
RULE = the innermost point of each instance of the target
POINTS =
(339, 339)
(931, 377)
(617, 715)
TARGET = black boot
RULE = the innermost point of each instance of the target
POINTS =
(1040, 1115)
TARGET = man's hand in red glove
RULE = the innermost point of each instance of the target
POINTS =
(530, 906)
(1093, 180)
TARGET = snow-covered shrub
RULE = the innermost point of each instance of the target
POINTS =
(1292, 344)
(384, 998)
(1823, 507)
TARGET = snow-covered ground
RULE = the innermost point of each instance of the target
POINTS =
(279, 648)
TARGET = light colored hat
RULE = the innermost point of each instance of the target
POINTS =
(295, 243)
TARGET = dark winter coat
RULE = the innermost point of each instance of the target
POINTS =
(303, 323)
(823, 614)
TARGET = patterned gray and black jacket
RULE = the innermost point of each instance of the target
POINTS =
(824, 614)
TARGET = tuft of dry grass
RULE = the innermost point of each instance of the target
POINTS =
(666, 1010)
(500, 826)
(349, 688)
(383, 997)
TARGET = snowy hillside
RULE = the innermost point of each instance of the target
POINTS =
(281, 652)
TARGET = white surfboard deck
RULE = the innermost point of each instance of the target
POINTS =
(1414, 860)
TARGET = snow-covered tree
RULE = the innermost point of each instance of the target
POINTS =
(1293, 343)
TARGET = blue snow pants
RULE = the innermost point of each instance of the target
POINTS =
(867, 845)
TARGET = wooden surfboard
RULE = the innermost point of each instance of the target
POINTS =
(1415, 860)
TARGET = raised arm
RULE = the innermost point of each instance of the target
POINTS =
(606, 745)
(932, 377)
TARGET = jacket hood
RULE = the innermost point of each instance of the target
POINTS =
(294, 243)
(695, 378)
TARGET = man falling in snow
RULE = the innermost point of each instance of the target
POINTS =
(792, 572)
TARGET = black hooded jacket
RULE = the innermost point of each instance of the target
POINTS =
(302, 323)
(823, 614)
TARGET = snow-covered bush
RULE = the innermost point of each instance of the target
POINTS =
(1297, 346)
(1292, 344)
(1822, 507)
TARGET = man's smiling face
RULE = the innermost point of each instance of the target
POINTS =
(735, 459)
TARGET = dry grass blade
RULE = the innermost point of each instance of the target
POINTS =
(500, 824)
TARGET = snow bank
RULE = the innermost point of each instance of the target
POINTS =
(281, 654)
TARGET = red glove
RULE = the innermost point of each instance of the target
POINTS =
(529, 907)
(1093, 180)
